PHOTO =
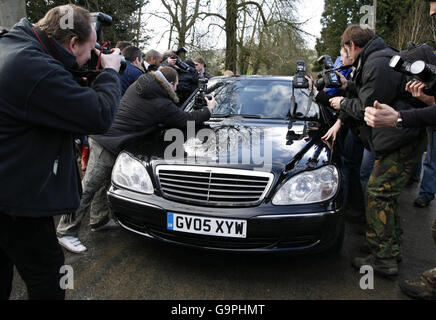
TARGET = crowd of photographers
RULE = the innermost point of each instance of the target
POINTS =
(385, 104)
(381, 119)
(70, 85)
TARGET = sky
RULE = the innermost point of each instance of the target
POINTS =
(310, 10)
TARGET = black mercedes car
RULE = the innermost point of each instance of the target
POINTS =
(255, 177)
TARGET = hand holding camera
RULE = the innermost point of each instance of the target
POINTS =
(172, 61)
(419, 71)
(416, 88)
(343, 80)
(112, 61)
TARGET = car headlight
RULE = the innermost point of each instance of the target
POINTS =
(309, 187)
(131, 174)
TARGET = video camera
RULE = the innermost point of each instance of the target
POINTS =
(300, 81)
(328, 78)
(200, 101)
(418, 70)
(179, 61)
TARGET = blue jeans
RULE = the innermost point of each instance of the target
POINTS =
(428, 184)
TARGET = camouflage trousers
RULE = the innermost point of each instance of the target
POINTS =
(429, 280)
(388, 178)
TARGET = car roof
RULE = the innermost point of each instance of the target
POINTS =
(256, 77)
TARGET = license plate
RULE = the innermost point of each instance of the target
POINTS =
(207, 226)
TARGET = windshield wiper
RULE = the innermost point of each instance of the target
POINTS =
(250, 116)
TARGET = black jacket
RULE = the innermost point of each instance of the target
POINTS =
(419, 118)
(41, 108)
(188, 82)
(148, 103)
(152, 67)
(375, 80)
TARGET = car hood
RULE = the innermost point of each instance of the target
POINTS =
(261, 145)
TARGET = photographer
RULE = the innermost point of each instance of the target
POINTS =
(42, 107)
(188, 76)
(148, 103)
(200, 66)
(397, 152)
(133, 70)
(383, 116)
(352, 148)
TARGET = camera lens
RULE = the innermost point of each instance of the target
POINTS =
(417, 67)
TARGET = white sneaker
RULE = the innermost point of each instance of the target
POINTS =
(72, 244)
(112, 224)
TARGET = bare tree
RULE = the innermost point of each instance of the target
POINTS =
(11, 11)
(182, 16)
(417, 27)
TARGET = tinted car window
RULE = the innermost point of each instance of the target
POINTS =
(269, 99)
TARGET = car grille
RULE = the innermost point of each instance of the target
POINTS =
(213, 186)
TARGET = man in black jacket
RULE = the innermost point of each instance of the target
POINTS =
(384, 116)
(397, 152)
(148, 103)
(188, 77)
(42, 107)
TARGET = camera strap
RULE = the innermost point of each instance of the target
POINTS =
(46, 43)
(99, 56)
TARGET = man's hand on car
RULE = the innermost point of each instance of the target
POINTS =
(333, 131)
(112, 61)
(211, 104)
(416, 89)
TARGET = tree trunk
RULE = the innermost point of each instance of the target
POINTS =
(182, 39)
(231, 30)
(11, 11)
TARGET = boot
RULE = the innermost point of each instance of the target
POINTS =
(429, 277)
(417, 290)
(383, 267)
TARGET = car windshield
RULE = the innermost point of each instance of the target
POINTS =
(266, 99)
